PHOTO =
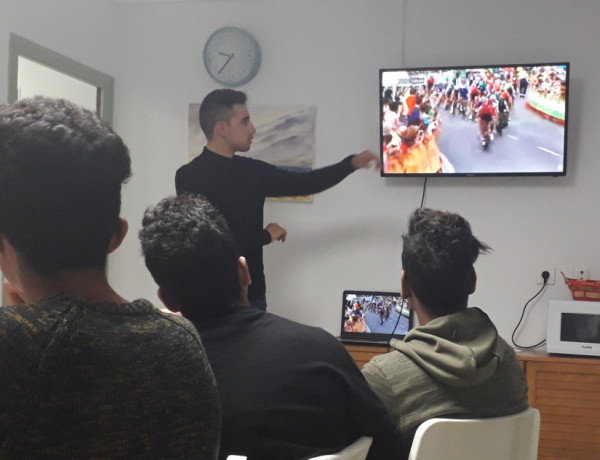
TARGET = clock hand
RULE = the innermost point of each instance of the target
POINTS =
(224, 54)
(226, 62)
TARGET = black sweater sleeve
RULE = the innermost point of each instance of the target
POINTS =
(279, 182)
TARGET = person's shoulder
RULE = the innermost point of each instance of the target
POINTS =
(173, 338)
(193, 163)
(178, 321)
(13, 318)
(392, 358)
(172, 321)
(26, 328)
(303, 328)
(276, 327)
(302, 334)
(508, 352)
(184, 171)
(392, 368)
(10, 313)
(28, 316)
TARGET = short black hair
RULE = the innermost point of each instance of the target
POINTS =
(61, 171)
(438, 254)
(191, 254)
(218, 106)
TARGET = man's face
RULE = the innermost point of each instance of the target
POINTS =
(240, 130)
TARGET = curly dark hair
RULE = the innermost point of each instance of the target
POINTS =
(191, 254)
(218, 106)
(438, 255)
(61, 171)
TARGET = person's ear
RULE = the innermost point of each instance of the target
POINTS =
(11, 296)
(7, 253)
(244, 273)
(11, 280)
(166, 302)
(118, 236)
(4, 244)
(405, 286)
(220, 127)
(473, 282)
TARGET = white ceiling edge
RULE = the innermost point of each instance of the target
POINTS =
(162, 1)
(177, 1)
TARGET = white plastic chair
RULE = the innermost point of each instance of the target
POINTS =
(358, 450)
(511, 437)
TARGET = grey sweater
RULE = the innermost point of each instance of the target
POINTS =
(455, 366)
(104, 381)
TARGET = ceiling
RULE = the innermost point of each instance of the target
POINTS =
(165, 1)
(161, 1)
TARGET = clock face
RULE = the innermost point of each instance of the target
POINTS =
(232, 56)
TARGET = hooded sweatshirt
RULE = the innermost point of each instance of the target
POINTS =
(455, 366)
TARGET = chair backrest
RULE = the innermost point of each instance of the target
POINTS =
(358, 450)
(511, 437)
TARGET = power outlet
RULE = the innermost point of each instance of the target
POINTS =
(581, 273)
(551, 279)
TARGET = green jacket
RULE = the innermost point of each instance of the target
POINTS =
(455, 366)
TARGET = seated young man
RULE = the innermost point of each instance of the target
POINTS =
(454, 364)
(288, 390)
(85, 373)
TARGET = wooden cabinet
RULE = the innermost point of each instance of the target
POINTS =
(363, 353)
(566, 391)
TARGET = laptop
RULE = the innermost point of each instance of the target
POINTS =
(373, 317)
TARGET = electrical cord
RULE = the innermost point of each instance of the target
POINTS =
(424, 188)
(545, 276)
(389, 341)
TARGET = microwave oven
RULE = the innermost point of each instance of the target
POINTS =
(573, 327)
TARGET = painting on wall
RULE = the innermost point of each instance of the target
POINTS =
(285, 137)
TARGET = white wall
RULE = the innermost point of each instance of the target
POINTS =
(327, 53)
(81, 30)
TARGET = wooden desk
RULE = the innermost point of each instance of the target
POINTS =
(363, 353)
(566, 391)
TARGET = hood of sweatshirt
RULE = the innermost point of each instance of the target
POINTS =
(460, 350)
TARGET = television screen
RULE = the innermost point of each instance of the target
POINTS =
(374, 316)
(500, 120)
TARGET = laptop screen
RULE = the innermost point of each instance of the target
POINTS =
(374, 317)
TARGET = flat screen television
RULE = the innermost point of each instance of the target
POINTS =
(498, 120)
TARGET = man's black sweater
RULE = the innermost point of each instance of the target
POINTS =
(238, 186)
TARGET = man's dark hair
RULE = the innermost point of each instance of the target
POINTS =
(218, 106)
(438, 254)
(61, 171)
(191, 254)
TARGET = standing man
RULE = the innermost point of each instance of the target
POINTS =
(85, 373)
(288, 390)
(238, 186)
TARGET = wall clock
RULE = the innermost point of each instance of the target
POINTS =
(232, 56)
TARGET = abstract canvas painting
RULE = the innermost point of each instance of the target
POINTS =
(285, 137)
